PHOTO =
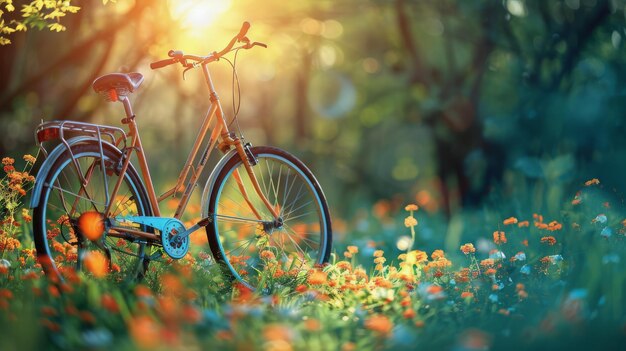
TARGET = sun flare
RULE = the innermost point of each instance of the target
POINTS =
(198, 13)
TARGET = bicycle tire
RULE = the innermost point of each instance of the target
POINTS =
(221, 237)
(45, 225)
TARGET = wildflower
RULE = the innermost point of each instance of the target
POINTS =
(317, 278)
(593, 181)
(416, 257)
(191, 314)
(301, 288)
(29, 159)
(109, 303)
(91, 225)
(145, 332)
(468, 249)
(510, 220)
(7, 161)
(410, 221)
(379, 260)
(437, 254)
(348, 346)
(380, 324)
(411, 207)
(278, 332)
(490, 271)
(489, 262)
(268, 255)
(550, 240)
(467, 295)
(344, 265)
(554, 225)
(523, 224)
(408, 313)
(378, 253)
(96, 263)
(419, 324)
(379, 267)
(353, 249)
(26, 216)
(499, 237)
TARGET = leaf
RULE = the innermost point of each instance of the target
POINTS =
(57, 27)
(20, 26)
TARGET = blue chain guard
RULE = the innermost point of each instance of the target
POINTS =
(168, 227)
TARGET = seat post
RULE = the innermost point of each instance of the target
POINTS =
(127, 108)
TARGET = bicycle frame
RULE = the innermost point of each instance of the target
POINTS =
(190, 173)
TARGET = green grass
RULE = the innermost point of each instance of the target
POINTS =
(568, 295)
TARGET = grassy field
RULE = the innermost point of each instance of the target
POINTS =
(516, 278)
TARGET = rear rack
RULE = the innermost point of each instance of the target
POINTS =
(52, 130)
(58, 130)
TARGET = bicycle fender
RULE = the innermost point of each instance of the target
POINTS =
(49, 162)
(210, 183)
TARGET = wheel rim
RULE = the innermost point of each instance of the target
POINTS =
(64, 201)
(248, 245)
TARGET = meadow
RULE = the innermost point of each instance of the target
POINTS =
(531, 280)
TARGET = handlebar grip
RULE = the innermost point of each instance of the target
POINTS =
(244, 29)
(174, 53)
(162, 63)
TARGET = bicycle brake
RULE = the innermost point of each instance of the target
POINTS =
(187, 69)
(251, 158)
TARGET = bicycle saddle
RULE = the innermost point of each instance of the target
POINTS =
(122, 83)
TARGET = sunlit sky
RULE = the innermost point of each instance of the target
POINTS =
(198, 14)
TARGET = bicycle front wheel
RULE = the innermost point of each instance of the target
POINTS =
(253, 246)
(61, 248)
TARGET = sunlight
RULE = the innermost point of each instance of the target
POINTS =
(198, 13)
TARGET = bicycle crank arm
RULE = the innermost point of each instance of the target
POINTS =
(202, 223)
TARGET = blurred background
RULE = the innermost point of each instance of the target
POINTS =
(454, 105)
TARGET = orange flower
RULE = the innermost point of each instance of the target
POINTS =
(317, 278)
(510, 220)
(380, 260)
(554, 225)
(489, 262)
(378, 253)
(408, 314)
(109, 303)
(7, 161)
(30, 159)
(410, 221)
(437, 254)
(380, 324)
(353, 249)
(468, 249)
(91, 225)
(593, 181)
(411, 207)
(145, 332)
(268, 255)
(490, 271)
(278, 332)
(466, 295)
(550, 240)
(344, 265)
(96, 263)
(499, 237)
(523, 224)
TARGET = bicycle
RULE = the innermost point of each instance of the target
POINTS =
(276, 218)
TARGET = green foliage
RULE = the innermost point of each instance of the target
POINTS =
(38, 14)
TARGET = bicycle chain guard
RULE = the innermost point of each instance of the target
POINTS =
(168, 227)
(174, 248)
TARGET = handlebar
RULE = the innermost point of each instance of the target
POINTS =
(178, 56)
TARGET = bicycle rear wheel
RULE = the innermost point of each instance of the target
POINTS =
(247, 245)
(61, 248)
